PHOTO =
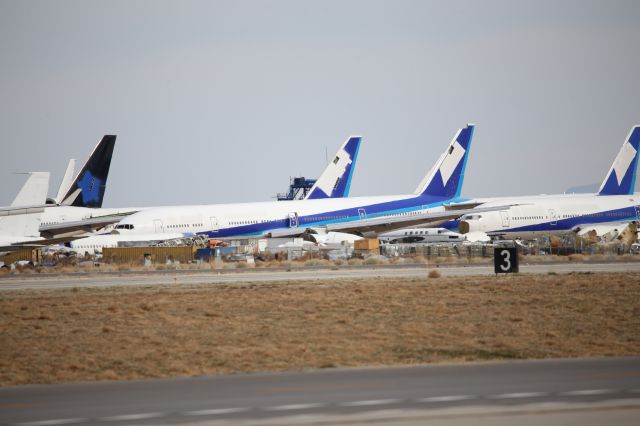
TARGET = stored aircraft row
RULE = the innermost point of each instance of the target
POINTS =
(328, 214)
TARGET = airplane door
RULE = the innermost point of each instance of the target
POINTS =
(214, 224)
(362, 213)
(157, 224)
(293, 220)
(504, 216)
(553, 218)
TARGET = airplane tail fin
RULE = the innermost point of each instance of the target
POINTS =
(33, 192)
(335, 181)
(87, 190)
(621, 178)
(67, 180)
(446, 177)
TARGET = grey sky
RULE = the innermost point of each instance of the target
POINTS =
(219, 101)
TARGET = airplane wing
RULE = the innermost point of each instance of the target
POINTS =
(377, 225)
(34, 244)
(78, 227)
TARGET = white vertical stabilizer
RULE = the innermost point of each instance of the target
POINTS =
(33, 192)
(67, 180)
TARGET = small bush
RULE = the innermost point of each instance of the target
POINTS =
(355, 262)
(434, 273)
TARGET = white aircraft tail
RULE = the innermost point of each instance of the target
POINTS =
(33, 192)
(67, 180)
(447, 175)
(335, 181)
(621, 178)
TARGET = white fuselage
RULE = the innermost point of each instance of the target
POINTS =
(421, 235)
(543, 215)
(228, 221)
(95, 243)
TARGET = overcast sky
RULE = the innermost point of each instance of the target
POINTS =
(223, 101)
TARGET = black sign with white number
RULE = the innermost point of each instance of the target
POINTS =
(505, 260)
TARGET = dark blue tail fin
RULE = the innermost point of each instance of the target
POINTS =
(446, 177)
(621, 179)
(335, 181)
(87, 190)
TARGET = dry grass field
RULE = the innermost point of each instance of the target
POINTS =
(161, 331)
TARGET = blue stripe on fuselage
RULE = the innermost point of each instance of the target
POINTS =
(336, 216)
(616, 215)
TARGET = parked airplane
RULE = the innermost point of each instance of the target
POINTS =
(334, 182)
(611, 209)
(422, 235)
(82, 211)
(433, 201)
(80, 208)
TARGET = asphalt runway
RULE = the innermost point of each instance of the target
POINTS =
(583, 391)
(34, 281)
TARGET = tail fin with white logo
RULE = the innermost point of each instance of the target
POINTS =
(621, 179)
(33, 193)
(446, 177)
(335, 181)
(87, 190)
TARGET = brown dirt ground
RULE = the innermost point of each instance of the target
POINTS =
(128, 333)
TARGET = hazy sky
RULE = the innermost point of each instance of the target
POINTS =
(222, 101)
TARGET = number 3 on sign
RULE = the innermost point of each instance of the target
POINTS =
(505, 260)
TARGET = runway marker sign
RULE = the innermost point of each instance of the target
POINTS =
(505, 260)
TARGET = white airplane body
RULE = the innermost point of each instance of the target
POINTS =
(360, 215)
(334, 182)
(613, 208)
(422, 235)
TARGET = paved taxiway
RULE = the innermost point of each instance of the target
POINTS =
(588, 390)
(19, 282)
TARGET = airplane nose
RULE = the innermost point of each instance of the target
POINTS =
(463, 227)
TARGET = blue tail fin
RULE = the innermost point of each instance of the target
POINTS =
(335, 181)
(87, 190)
(621, 179)
(446, 177)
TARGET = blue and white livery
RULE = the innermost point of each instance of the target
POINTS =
(335, 181)
(433, 201)
(606, 213)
